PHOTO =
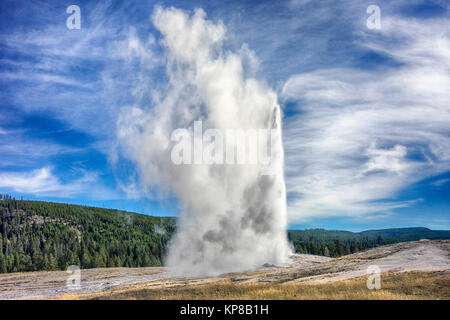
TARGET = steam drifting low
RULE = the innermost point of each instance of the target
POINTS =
(232, 217)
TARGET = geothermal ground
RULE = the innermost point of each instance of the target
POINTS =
(422, 257)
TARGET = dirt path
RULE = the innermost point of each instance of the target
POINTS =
(410, 256)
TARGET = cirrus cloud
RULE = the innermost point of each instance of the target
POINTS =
(360, 137)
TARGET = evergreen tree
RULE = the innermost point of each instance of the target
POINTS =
(49, 236)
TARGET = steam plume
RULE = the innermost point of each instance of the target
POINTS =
(232, 217)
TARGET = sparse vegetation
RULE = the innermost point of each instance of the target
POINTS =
(402, 286)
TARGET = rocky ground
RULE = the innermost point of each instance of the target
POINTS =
(424, 255)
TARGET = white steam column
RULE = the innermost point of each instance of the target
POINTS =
(232, 217)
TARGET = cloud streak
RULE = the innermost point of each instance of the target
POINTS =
(360, 137)
(43, 182)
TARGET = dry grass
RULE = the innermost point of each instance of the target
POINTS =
(411, 285)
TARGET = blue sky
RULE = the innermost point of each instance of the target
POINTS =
(366, 112)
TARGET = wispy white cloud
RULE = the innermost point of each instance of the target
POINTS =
(42, 78)
(51, 56)
(38, 181)
(19, 150)
(104, 66)
(44, 182)
(440, 182)
(361, 137)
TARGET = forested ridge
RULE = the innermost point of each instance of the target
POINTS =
(336, 243)
(37, 235)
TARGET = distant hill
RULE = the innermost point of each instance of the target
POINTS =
(408, 234)
(335, 243)
(37, 235)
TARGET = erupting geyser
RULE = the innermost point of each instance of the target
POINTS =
(233, 218)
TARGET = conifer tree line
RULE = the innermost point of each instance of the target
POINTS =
(336, 243)
(37, 235)
(311, 243)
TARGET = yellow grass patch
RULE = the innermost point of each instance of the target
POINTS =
(411, 285)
